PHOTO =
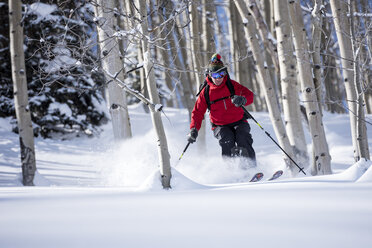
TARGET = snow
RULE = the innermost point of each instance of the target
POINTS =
(43, 12)
(92, 192)
(62, 107)
(62, 59)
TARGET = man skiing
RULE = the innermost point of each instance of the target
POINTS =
(224, 98)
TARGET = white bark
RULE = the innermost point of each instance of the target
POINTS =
(342, 27)
(209, 46)
(267, 85)
(363, 151)
(164, 157)
(288, 78)
(198, 61)
(26, 135)
(111, 63)
(232, 15)
(181, 62)
(264, 31)
(195, 45)
(322, 158)
(317, 21)
(240, 51)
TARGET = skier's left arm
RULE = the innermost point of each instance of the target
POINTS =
(241, 90)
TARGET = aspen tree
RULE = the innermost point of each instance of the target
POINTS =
(321, 156)
(317, 21)
(147, 45)
(288, 78)
(267, 85)
(25, 130)
(112, 64)
(342, 26)
(363, 151)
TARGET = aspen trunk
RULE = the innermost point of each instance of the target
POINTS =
(361, 126)
(187, 93)
(209, 46)
(241, 59)
(267, 85)
(317, 21)
(188, 58)
(165, 53)
(322, 158)
(232, 19)
(164, 157)
(195, 46)
(26, 134)
(205, 44)
(264, 32)
(342, 26)
(288, 78)
(257, 10)
(110, 54)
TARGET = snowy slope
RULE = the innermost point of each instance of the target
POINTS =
(93, 193)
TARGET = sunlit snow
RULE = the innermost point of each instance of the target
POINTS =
(93, 192)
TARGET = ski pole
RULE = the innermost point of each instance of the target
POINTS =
(250, 116)
(184, 150)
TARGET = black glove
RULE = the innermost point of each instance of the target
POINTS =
(192, 135)
(238, 100)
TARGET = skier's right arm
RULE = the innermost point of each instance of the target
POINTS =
(197, 116)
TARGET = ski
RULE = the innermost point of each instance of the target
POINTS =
(257, 177)
(276, 175)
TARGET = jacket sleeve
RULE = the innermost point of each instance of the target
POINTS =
(197, 114)
(243, 91)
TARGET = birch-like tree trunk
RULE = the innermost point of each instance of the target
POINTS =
(163, 51)
(266, 7)
(241, 52)
(185, 24)
(195, 45)
(209, 46)
(288, 78)
(333, 91)
(233, 15)
(267, 85)
(342, 26)
(181, 62)
(361, 126)
(317, 21)
(25, 130)
(366, 56)
(198, 59)
(111, 63)
(164, 157)
(241, 57)
(264, 32)
(269, 55)
(322, 158)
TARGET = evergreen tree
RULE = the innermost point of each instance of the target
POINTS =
(63, 83)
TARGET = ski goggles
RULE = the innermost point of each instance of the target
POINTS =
(217, 75)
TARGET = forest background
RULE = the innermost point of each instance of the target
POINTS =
(300, 58)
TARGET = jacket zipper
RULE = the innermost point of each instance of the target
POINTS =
(224, 103)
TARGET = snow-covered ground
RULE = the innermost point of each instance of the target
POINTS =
(95, 193)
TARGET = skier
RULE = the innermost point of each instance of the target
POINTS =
(224, 98)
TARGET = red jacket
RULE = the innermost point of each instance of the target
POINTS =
(222, 112)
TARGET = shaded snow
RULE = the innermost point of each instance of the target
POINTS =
(43, 12)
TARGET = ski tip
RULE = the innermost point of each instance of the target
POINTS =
(257, 177)
(276, 175)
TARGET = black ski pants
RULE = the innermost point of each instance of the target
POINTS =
(235, 134)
